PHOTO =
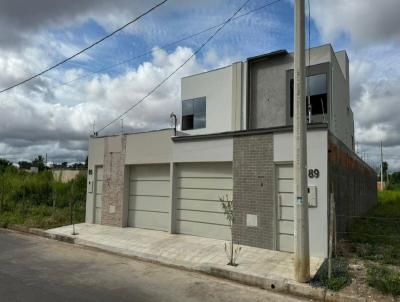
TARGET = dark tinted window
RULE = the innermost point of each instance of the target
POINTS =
(194, 113)
(318, 94)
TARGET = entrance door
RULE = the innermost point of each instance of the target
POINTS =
(98, 190)
(285, 208)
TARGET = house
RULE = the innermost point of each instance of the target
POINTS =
(236, 141)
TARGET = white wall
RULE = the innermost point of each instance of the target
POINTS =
(210, 150)
(95, 158)
(149, 147)
(216, 86)
(342, 123)
(317, 158)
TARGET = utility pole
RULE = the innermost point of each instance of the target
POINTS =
(301, 240)
(381, 168)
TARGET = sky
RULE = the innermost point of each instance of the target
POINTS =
(56, 113)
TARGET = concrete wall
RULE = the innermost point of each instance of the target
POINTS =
(267, 106)
(66, 175)
(203, 150)
(216, 86)
(237, 95)
(95, 158)
(342, 123)
(354, 184)
(317, 157)
(149, 147)
(253, 187)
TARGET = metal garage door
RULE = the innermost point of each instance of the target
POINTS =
(98, 194)
(149, 197)
(198, 209)
(285, 208)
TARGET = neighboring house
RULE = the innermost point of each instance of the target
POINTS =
(236, 141)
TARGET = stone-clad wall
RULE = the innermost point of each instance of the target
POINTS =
(113, 181)
(253, 187)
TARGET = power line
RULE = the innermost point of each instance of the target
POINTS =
(177, 69)
(150, 51)
(85, 49)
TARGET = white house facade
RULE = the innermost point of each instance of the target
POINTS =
(235, 141)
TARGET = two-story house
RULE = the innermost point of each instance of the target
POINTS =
(235, 141)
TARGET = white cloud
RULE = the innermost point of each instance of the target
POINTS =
(366, 22)
(36, 123)
(369, 30)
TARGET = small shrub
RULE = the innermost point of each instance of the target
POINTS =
(231, 251)
(384, 279)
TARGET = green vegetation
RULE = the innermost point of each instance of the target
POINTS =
(378, 234)
(38, 200)
(340, 275)
(385, 279)
(376, 239)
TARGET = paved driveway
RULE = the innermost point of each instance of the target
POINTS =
(37, 269)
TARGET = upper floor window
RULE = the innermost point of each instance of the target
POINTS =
(317, 88)
(194, 113)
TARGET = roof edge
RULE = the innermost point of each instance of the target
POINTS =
(260, 131)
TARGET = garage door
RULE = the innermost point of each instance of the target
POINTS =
(198, 208)
(149, 198)
(285, 208)
(98, 193)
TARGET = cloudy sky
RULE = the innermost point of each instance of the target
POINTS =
(54, 114)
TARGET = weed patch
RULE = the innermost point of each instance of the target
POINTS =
(41, 216)
(340, 275)
(376, 237)
(384, 279)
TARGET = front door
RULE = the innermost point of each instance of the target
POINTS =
(285, 228)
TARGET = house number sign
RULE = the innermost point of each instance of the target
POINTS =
(313, 173)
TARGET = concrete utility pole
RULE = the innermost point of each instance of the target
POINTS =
(301, 240)
(381, 168)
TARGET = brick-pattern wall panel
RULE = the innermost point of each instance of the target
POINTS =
(354, 185)
(253, 187)
(113, 186)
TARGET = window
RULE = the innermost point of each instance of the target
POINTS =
(318, 94)
(194, 113)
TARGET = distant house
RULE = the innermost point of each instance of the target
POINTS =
(236, 141)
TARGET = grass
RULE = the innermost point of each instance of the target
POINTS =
(385, 279)
(376, 239)
(378, 234)
(41, 216)
(340, 275)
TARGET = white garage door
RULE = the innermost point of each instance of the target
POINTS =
(285, 208)
(149, 198)
(98, 190)
(198, 208)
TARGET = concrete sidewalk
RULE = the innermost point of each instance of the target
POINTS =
(190, 252)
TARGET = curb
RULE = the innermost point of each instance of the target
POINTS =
(40, 232)
(276, 284)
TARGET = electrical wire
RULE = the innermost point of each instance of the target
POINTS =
(85, 49)
(150, 51)
(176, 70)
